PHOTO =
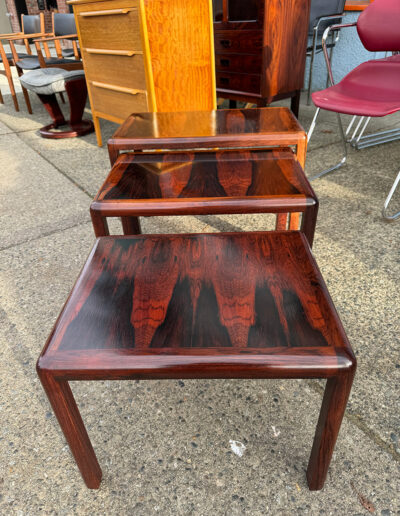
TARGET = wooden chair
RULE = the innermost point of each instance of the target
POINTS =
(32, 27)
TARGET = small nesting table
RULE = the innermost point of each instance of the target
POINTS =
(221, 128)
(228, 305)
(220, 182)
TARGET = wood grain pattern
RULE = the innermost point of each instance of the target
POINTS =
(199, 306)
(182, 56)
(260, 127)
(285, 43)
(252, 181)
(238, 290)
(277, 37)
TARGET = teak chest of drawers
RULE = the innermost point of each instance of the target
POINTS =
(146, 55)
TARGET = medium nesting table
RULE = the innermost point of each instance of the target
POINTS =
(194, 183)
(228, 305)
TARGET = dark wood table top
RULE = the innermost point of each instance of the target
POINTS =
(211, 182)
(234, 305)
(222, 128)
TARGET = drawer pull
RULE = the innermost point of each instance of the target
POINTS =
(105, 51)
(225, 62)
(107, 12)
(224, 80)
(226, 43)
(121, 89)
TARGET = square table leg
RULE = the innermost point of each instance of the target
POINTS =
(337, 392)
(62, 400)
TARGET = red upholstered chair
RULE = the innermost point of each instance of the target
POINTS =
(372, 89)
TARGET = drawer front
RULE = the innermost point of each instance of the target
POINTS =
(242, 63)
(239, 41)
(111, 27)
(249, 83)
(117, 103)
(115, 69)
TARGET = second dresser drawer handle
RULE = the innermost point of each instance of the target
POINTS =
(225, 62)
(226, 43)
(107, 12)
(106, 51)
(121, 89)
(224, 80)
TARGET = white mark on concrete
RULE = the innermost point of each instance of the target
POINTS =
(276, 432)
(237, 447)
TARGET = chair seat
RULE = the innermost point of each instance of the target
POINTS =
(231, 305)
(32, 63)
(20, 55)
(47, 81)
(371, 89)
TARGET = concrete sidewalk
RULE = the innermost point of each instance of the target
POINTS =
(164, 446)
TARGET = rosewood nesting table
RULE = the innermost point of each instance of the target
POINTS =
(199, 183)
(222, 128)
(228, 305)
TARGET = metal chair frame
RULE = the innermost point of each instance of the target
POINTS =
(357, 139)
(316, 49)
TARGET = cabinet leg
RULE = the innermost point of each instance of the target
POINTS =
(337, 392)
(295, 103)
(97, 129)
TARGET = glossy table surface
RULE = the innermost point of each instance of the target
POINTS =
(229, 181)
(235, 305)
(230, 127)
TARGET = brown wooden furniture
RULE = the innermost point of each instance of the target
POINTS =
(46, 82)
(260, 49)
(222, 182)
(32, 26)
(142, 55)
(231, 305)
(244, 128)
(247, 128)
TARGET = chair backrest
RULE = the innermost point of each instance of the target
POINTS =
(64, 24)
(32, 23)
(378, 26)
(324, 8)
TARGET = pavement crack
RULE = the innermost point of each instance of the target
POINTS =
(44, 235)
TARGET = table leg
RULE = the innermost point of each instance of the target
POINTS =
(337, 392)
(100, 224)
(309, 221)
(69, 418)
(281, 221)
(131, 225)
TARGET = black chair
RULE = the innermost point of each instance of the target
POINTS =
(32, 27)
(323, 13)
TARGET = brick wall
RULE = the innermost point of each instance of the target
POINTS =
(32, 7)
(15, 24)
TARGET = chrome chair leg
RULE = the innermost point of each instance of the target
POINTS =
(388, 199)
(343, 138)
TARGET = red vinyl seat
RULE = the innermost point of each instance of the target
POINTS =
(372, 89)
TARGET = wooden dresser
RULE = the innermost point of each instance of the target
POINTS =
(260, 49)
(146, 55)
